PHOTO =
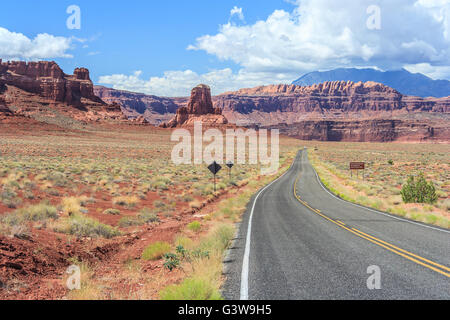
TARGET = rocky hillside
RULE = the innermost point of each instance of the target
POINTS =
(4, 110)
(155, 110)
(47, 80)
(42, 90)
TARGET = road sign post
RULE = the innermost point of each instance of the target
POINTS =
(214, 168)
(230, 166)
(357, 166)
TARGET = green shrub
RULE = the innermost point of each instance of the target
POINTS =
(147, 216)
(191, 289)
(159, 204)
(126, 201)
(156, 250)
(219, 240)
(194, 226)
(82, 226)
(224, 235)
(187, 198)
(40, 212)
(12, 203)
(419, 191)
(114, 212)
(171, 261)
(130, 222)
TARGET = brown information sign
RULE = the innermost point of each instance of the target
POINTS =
(357, 165)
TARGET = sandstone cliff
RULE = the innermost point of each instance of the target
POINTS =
(47, 80)
(277, 104)
(155, 110)
(39, 89)
(270, 105)
(4, 110)
(374, 130)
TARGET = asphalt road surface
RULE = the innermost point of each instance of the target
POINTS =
(298, 241)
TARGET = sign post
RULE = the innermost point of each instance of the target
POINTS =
(214, 168)
(230, 165)
(357, 166)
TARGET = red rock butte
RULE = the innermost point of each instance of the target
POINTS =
(199, 109)
(47, 80)
(28, 89)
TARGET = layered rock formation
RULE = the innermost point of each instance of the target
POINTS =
(42, 91)
(278, 104)
(271, 105)
(155, 110)
(4, 110)
(413, 84)
(200, 108)
(47, 80)
(375, 130)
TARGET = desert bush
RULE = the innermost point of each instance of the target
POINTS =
(156, 250)
(147, 216)
(7, 193)
(126, 201)
(10, 198)
(52, 192)
(12, 203)
(184, 241)
(40, 212)
(58, 179)
(114, 212)
(160, 185)
(191, 289)
(130, 222)
(218, 240)
(419, 191)
(186, 198)
(194, 226)
(71, 205)
(82, 226)
(159, 204)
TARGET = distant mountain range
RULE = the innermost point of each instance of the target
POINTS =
(412, 84)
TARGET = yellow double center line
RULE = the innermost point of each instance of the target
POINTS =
(401, 252)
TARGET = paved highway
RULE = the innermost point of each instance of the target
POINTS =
(298, 241)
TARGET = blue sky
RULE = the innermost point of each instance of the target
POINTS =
(124, 36)
(166, 47)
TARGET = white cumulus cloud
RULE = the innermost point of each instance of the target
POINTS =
(44, 46)
(180, 83)
(322, 34)
(237, 12)
(315, 35)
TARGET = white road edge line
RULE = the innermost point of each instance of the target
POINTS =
(378, 212)
(246, 260)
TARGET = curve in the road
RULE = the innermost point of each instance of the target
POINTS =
(401, 252)
(289, 253)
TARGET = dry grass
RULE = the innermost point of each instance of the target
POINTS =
(388, 168)
(101, 182)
